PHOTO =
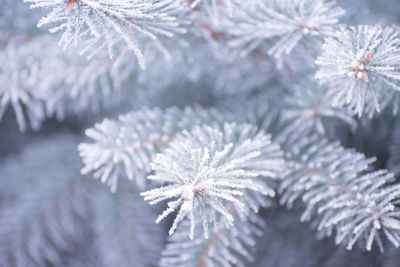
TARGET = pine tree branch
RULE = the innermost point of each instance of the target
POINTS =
(231, 246)
(45, 217)
(341, 194)
(126, 146)
(106, 24)
(209, 169)
(284, 22)
(361, 66)
(73, 86)
(124, 228)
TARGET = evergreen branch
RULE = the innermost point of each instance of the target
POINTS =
(341, 194)
(123, 225)
(308, 105)
(59, 236)
(17, 79)
(209, 169)
(38, 85)
(226, 246)
(53, 217)
(284, 22)
(336, 184)
(126, 146)
(45, 217)
(361, 65)
(107, 23)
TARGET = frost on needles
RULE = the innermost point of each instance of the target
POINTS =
(262, 105)
(125, 147)
(214, 174)
(105, 23)
(285, 23)
(342, 196)
(361, 64)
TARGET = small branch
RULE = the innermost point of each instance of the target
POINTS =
(214, 241)
(335, 183)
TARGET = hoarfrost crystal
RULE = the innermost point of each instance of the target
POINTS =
(286, 22)
(210, 172)
(107, 23)
(362, 65)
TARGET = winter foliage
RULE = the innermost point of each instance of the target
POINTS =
(125, 147)
(18, 80)
(284, 22)
(226, 132)
(106, 23)
(308, 105)
(341, 195)
(361, 64)
(225, 246)
(210, 172)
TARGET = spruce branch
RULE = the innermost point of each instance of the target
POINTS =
(286, 23)
(361, 65)
(125, 147)
(106, 23)
(45, 217)
(231, 246)
(308, 105)
(123, 226)
(40, 83)
(60, 235)
(209, 169)
(18, 79)
(214, 169)
(53, 217)
(343, 196)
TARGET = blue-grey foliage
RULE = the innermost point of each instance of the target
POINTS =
(227, 132)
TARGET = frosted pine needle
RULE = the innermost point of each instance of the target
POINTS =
(360, 63)
(284, 22)
(208, 173)
(18, 84)
(106, 23)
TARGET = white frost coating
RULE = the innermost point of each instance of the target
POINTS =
(232, 246)
(216, 176)
(360, 64)
(18, 80)
(125, 147)
(40, 83)
(342, 196)
(285, 22)
(106, 23)
(308, 104)
(211, 171)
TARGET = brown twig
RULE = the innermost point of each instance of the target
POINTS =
(364, 76)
